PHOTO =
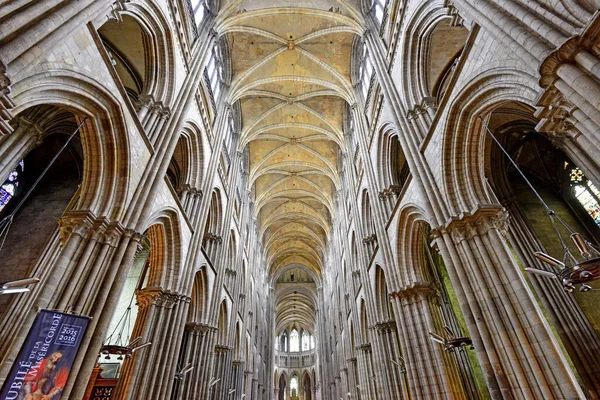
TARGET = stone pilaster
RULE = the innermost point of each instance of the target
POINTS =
(503, 319)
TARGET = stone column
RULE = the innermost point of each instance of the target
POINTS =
(431, 372)
(145, 373)
(255, 392)
(386, 337)
(353, 378)
(88, 244)
(221, 368)
(514, 344)
(576, 333)
(247, 383)
(14, 147)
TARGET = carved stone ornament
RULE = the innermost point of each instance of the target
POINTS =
(75, 222)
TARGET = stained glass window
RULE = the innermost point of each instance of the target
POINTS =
(294, 385)
(305, 341)
(586, 193)
(294, 341)
(9, 188)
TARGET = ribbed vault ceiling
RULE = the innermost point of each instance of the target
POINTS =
(291, 73)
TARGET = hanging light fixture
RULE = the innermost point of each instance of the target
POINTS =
(117, 343)
(18, 286)
(570, 271)
(451, 341)
(183, 372)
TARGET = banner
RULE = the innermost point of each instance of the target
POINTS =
(42, 367)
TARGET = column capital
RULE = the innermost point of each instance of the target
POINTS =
(78, 222)
(478, 221)
(156, 296)
(144, 100)
(220, 348)
(31, 128)
(199, 328)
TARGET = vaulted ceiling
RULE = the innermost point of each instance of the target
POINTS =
(291, 74)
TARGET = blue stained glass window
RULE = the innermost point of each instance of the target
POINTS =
(9, 187)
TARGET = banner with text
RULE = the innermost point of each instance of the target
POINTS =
(45, 360)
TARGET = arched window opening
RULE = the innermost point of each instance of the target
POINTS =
(307, 387)
(10, 186)
(283, 342)
(282, 386)
(127, 45)
(308, 342)
(294, 341)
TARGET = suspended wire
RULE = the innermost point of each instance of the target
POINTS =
(7, 221)
(551, 214)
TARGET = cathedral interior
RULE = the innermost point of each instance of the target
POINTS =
(273, 200)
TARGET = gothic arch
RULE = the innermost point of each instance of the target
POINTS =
(159, 47)
(382, 294)
(367, 215)
(199, 297)
(392, 168)
(187, 162)
(419, 78)
(364, 322)
(410, 256)
(104, 135)
(237, 347)
(194, 154)
(164, 233)
(463, 142)
(40, 131)
(223, 324)
(213, 229)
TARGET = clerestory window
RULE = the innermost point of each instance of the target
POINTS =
(198, 10)
(214, 72)
(366, 73)
(294, 341)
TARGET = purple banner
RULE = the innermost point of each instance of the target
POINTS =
(42, 367)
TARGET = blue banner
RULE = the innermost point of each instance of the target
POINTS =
(42, 367)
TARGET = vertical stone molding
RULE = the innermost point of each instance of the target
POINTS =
(514, 343)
